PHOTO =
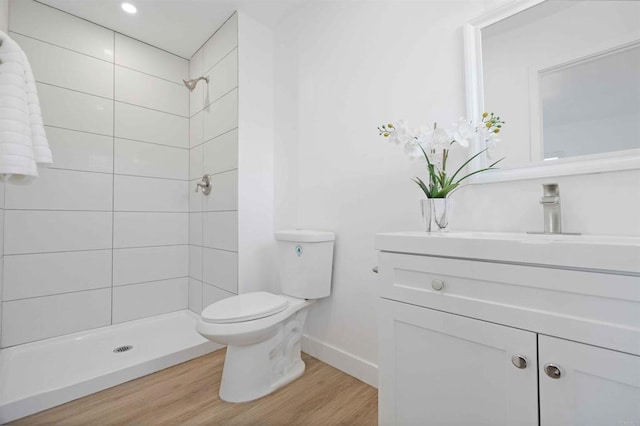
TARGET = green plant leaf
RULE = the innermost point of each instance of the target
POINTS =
(422, 186)
(464, 164)
(477, 171)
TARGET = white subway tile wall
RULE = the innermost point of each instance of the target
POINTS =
(146, 125)
(220, 268)
(212, 294)
(225, 76)
(160, 195)
(142, 57)
(102, 236)
(144, 229)
(137, 88)
(61, 29)
(195, 295)
(136, 301)
(138, 265)
(195, 262)
(226, 192)
(80, 150)
(213, 142)
(27, 320)
(1, 251)
(64, 108)
(56, 273)
(221, 116)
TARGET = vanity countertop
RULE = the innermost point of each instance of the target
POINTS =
(612, 254)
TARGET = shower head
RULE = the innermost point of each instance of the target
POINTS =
(191, 83)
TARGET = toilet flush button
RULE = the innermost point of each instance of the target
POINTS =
(299, 250)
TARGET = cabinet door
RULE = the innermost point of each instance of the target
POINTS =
(595, 386)
(442, 369)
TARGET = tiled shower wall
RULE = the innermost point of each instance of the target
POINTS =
(102, 236)
(213, 149)
(1, 250)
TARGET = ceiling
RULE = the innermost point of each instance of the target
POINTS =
(177, 26)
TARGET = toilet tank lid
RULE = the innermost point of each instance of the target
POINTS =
(304, 236)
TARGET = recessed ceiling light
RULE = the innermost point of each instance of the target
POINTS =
(129, 8)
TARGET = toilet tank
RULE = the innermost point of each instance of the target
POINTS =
(305, 262)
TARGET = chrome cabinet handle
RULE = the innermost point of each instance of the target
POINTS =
(205, 184)
(519, 361)
(552, 371)
(437, 285)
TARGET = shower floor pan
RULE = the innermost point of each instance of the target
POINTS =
(40, 375)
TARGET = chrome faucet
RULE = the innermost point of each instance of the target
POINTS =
(551, 208)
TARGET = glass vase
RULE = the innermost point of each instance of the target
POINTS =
(435, 213)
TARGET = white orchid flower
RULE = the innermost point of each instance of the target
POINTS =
(488, 135)
(424, 137)
(441, 139)
(401, 133)
(412, 150)
(463, 132)
(491, 148)
(435, 157)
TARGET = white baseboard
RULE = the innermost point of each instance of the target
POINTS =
(352, 365)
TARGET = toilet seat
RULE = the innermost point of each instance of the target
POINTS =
(244, 307)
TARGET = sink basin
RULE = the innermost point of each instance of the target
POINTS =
(620, 255)
(534, 238)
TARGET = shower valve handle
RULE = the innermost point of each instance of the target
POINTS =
(205, 185)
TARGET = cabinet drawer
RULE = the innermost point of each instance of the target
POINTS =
(590, 307)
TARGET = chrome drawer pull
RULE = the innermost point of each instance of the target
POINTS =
(520, 361)
(437, 285)
(552, 371)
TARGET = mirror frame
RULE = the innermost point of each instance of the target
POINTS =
(596, 163)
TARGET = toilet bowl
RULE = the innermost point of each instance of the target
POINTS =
(263, 330)
(263, 353)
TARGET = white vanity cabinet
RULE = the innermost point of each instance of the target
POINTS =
(477, 339)
(596, 386)
(442, 369)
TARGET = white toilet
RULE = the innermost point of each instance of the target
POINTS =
(262, 330)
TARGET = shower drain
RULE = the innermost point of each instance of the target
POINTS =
(123, 348)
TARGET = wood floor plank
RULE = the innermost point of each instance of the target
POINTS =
(187, 394)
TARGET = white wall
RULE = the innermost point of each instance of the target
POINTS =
(213, 233)
(4, 15)
(100, 237)
(4, 26)
(341, 70)
(255, 151)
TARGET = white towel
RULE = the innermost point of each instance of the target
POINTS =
(23, 142)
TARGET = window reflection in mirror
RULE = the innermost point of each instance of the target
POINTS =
(592, 105)
(565, 75)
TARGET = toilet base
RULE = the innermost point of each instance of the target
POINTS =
(253, 371)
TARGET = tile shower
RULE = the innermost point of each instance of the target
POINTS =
(102, 236)
(111, 246)
(113, 231)
(213, 149)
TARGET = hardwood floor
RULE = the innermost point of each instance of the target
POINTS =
(187, 394)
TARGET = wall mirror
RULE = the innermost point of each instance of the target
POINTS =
(565, 76)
